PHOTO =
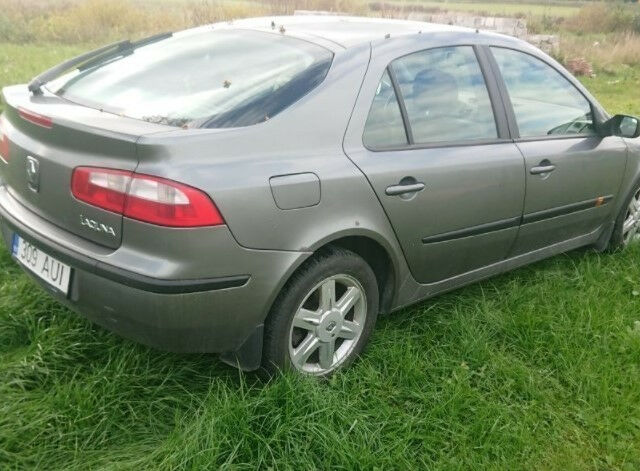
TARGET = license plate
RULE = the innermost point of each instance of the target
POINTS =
(43, 265)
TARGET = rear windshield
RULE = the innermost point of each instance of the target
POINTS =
(213, 79)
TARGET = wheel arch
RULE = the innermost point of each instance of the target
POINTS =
(385, 260)
(369, 245)
(378, 259)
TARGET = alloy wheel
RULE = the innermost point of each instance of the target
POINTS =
(631, 225)
(327, 325)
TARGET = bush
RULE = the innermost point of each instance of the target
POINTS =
(602, 18)
(544, 24)
(635, 23)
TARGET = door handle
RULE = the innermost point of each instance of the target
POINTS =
(403, 189)
(542, 169)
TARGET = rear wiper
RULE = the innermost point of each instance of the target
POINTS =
(124, 51)
(92, 58)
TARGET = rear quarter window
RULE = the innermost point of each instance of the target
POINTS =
(217, 79)
(384, 127)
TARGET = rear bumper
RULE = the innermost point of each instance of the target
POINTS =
(190, 313)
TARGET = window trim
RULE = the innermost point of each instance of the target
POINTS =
(401, 108)
(498, 108)
(509, 109)
(443, 145)
(401, 104)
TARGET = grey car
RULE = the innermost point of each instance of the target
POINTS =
(265, 188)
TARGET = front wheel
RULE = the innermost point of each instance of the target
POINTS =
(627, 225)
(323, 318)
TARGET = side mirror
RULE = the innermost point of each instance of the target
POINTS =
(622, 125)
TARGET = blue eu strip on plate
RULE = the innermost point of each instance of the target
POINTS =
(15, 244)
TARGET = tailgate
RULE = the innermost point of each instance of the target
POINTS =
(42, 158)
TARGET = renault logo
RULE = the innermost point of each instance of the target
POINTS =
(33, 174)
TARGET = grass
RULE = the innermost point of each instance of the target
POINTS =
(617, 89)
(522, 9)
(20, 63)
(535, 369)
(608, 52)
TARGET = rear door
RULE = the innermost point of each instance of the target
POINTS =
(572, 174)
(430, 134)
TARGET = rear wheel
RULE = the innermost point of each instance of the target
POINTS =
(627, 226)
(323, 318)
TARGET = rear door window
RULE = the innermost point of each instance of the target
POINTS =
(218, 79)
(445, 96)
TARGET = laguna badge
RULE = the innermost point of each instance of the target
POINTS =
(96, 226)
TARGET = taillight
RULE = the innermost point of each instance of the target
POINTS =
(144, 197)
(4, 146)
(104, 188)
(167, 203)
(35, 118)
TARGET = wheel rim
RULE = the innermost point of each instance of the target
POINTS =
(631, 223)
(327, 325)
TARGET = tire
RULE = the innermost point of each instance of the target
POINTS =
(306, 320)
(621, 236)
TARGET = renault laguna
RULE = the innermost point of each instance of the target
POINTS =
(265, 188)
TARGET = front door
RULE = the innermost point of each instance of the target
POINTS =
(441, 164)
(572, 175)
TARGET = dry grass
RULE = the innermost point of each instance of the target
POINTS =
(100, 20)
(85, 21)
(605, 52)
(604, 18)
(357, 7)
(605, 35)
(93, 21)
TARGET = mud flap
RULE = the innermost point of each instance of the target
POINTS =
(249, 356)
(603, 241)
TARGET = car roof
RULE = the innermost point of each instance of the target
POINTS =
(348, 31)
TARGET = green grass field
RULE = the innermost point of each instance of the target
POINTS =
(535, 369)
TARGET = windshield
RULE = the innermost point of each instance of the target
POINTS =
(213, 79)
